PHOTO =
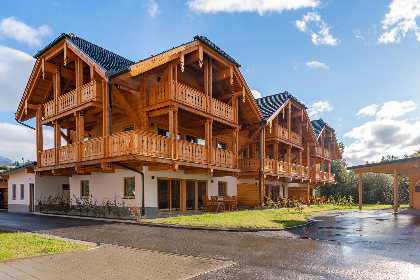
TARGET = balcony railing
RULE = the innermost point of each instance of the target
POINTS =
(322, 152)
(284, 134)
(86, 93)
(192, 98)
(275, 167)
(324, 176)
(138, 143)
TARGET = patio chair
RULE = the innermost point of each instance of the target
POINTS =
(206, 203)
(217, 204)
(233, 204)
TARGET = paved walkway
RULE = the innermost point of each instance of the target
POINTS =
(109, 262)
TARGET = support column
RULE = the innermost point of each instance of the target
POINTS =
(289, 156)
(175, 133)
(395, 191)
(39, 136)
(171, 132)
(289, 123)
(57, 140)
(360, 191)
(80, 133)
(308, 193)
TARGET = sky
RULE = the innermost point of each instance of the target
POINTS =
(355, 64)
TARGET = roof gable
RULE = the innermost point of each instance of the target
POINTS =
(269, 105)
(103, 57)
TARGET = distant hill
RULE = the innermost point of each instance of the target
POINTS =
(5, 161)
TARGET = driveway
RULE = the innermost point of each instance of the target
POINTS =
(340, 245)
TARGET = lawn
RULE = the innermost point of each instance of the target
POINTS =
(16, 244)
(272, 218)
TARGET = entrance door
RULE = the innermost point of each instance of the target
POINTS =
(169, 195)
(31, 198)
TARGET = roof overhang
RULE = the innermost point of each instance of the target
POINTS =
(406, 166)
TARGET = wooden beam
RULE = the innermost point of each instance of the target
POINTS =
(65, 137)
(395, 191)
(360, 192)
(159, 112)
(126, 106)
(222, 75)
(158, 167)
(249, 141)
(194, 124)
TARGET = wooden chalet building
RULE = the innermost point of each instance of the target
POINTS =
(164, 131)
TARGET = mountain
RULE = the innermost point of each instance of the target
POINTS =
(5, 161)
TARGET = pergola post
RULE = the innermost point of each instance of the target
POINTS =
(360, 191)
(395, 191)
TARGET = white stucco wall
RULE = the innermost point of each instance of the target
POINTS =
(49, 185)
(18, 179)
(108, 185)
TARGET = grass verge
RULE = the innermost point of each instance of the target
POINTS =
(16, 244)
(272, 218)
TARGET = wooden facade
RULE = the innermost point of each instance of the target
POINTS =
(185, 109)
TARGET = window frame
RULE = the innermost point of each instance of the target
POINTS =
(22, 191)
(226, 188)
(14, 192)
(81, 189)
(125, 190)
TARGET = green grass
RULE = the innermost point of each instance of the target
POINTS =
(15, 244)
(278, 218)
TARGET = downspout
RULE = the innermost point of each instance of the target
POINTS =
(142, 184)
(263, 122)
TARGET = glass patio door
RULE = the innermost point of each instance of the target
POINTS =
(169, 195)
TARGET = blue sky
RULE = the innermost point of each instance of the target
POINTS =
(354, 63)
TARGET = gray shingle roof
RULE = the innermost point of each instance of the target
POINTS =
(29, 164)
(270, 104)
(318, 126)
(216, 48)
(104, 58)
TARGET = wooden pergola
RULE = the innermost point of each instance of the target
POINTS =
(409, 167)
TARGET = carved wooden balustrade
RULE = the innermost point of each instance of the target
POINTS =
(274, 167)
(284, 134)
(322, 152)
(79, 96)
(192, 98)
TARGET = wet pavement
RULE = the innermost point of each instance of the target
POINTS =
(339, 245)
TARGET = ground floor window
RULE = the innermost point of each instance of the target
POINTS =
(129, 187)
(272, 192)
(13, 191)
(169, 195)
(65, 187)
(195, 190)
(222, 189)
(85, 188)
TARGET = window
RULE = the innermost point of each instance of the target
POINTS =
(201, 142)
(222, 189)
(244, 154)
(66, 187)
(191, 139)
(163, 132)
(85, 188)
(129, 128)
(13, 191)
(129, 187)
(222, 146)
(169, 195)
(22, 191)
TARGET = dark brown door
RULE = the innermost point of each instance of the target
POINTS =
(31, 198)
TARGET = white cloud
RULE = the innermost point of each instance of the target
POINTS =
(393, 109)
(357, 34)
(248, 70)
(256, 93)
(313, 20)
(385, 135)
(14, 28)
(260, 6)
(382, 137)
(15, 69)
(152, 8)
(319, 107)
(18, 142)
(402, 18)
(317, 64)
(368, 110)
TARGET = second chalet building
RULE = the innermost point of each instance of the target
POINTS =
(184, 119)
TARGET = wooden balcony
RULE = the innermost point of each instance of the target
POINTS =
(138, 143)
(79, 96)
(275, 167)
(322, 152)
(283, 134)
(192, 98)
(323, 176)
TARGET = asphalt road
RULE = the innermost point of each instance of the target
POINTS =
(339, 245)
